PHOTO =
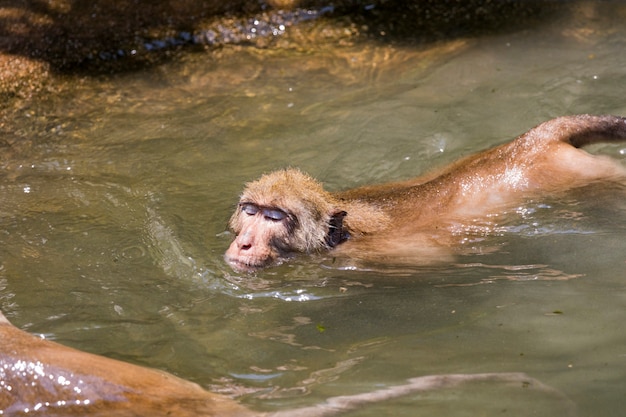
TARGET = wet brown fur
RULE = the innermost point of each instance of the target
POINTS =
(414, 217)
(40, 377)
(58, 379)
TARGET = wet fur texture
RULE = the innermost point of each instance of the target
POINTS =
(414, 218)
(40, 377)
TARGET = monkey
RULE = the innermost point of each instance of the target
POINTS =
(287, 212)
(43, 378)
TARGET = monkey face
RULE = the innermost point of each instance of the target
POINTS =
(262, 236)
(280, 214)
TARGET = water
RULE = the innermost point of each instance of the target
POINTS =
(117, 195)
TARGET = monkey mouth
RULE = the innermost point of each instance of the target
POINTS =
(254, 264)
(247, 265)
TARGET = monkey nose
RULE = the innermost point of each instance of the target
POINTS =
(243, 242)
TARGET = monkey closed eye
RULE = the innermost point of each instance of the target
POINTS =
(274, 214)
(249, 208)
(269, 213)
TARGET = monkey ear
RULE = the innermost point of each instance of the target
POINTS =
(336, 232)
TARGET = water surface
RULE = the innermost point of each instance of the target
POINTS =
(115, 204)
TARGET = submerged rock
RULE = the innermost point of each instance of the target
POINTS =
(103, 36)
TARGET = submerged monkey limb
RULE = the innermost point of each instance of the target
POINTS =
(340, 404)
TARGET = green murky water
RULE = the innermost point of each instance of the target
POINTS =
(113, 219)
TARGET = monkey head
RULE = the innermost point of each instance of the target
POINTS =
(280, 214)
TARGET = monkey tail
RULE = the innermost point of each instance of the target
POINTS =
(583, 129)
